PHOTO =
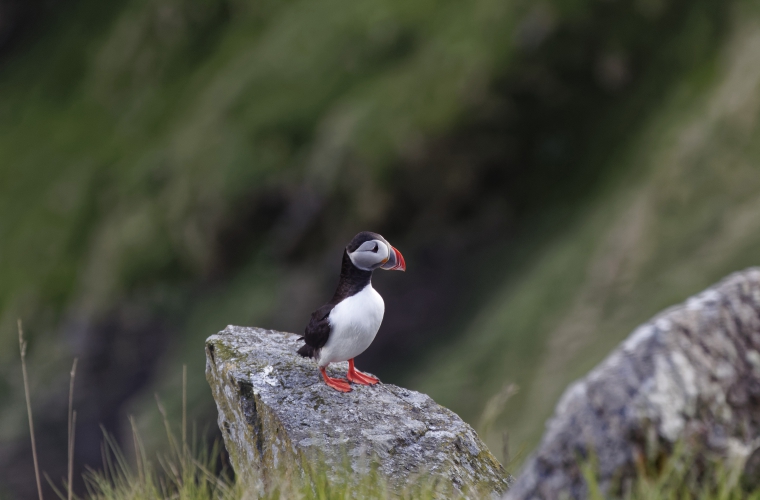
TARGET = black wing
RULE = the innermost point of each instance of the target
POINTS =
(317, 331)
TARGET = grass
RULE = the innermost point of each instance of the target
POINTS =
(184, 472)
(194, 472)
(684, 475)
(22, 350)
(189, 474)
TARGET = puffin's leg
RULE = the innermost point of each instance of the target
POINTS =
(358, 377)
(336, 383)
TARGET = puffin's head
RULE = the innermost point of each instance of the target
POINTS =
(370, 251)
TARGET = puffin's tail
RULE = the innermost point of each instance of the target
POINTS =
(306, 351)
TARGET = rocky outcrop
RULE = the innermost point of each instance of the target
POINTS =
(691, 374)
(275, 412)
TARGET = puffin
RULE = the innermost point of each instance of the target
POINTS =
(345, 327)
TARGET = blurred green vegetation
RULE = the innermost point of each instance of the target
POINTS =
(554, 172)
(681, 213)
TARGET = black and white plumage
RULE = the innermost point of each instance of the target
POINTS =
(344, 327)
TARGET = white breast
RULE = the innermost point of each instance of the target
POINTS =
(355, 322)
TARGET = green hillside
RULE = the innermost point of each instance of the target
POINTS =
(685, 213)
(554, 174)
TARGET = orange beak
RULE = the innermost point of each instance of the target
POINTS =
(395, 261)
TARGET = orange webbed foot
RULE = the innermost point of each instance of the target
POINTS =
(338, 384)
(358, 377)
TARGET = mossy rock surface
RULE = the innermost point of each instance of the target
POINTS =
(275, 412)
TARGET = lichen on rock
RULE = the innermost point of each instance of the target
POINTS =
(275, 412)
(690, 375)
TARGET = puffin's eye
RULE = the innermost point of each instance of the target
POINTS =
(374, 250)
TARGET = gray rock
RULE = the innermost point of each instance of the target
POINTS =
(275, 411)
(691, 374)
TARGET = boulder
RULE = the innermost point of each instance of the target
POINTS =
(690, 375)
(275, 412)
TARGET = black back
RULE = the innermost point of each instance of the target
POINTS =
(352, 281)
